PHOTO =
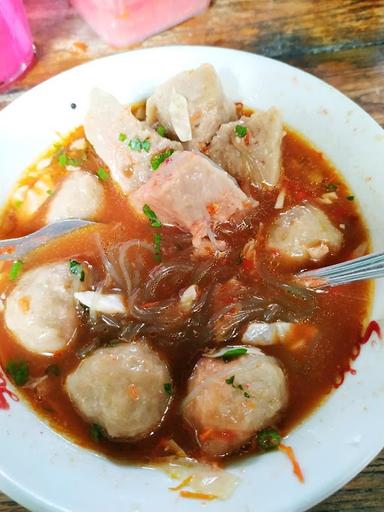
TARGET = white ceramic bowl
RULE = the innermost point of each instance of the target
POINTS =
(45, 472)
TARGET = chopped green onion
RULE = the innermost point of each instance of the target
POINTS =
(330, 187)
(158, 159)
(168, 388)
(161, 130)
(122, 137)
(350, 198)
(146, 145)
(268, 439)
(233, 353)
(102, 174)
(148, 212)
(135, 144)
(96, 432)
(240, 131)
(77, 269)
(230, 380)
(139, 145)
(52, 370)
(157, 246)
(15, 270)
(18, 371)
(64, 160)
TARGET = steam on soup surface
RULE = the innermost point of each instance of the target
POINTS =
(174, 321)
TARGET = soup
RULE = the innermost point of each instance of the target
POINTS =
(174, 325)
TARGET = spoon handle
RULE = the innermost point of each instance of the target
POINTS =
(16, 248)
(359, 269)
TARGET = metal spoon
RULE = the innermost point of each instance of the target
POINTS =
(16, 248)
(359, 269)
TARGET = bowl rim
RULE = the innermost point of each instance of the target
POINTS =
(25, 495)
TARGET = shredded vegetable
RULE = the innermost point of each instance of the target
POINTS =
(295, 464)
(198, 495)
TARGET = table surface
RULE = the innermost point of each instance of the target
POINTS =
(340, 41)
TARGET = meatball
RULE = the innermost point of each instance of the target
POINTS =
(81, 195)
(228, 402)
(191, 105)
(192, 193)
(40, 311)
(122, 389)
(254, 158)
(304, 233)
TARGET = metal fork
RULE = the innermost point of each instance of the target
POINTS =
(16, 248)
(365, 267)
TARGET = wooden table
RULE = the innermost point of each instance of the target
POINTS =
(341, 41)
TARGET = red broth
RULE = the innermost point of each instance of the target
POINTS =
(320, 350)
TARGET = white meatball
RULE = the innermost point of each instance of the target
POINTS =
(121, 388)
(40, 310)
(228, 402)
(81, 195)
(304, 233)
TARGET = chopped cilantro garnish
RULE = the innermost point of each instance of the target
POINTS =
(330, 187)
(168, 388)
(139, 145)
(233, 353)
(158, 159)
(18, 371)
(161, 130)
(247, 395)
(157, 246)
(148, 212)
(52, 370)
(230, 380)
(15, 270)
(122, 137)
(268, 439)
(102, 174)
(96, 432)
(76, 269)
(350, 198)
(240, 131)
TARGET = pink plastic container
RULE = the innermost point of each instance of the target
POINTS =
(124, 22)
(16, 47)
